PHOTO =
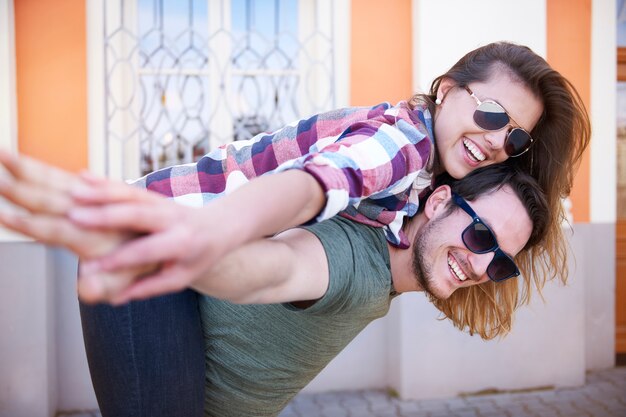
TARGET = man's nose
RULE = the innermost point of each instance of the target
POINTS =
(480, 262)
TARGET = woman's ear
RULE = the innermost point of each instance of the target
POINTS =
(445, 86)
(437, 201)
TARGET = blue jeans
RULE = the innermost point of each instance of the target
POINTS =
(146, 358)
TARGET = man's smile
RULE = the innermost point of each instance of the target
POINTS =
(456, 268)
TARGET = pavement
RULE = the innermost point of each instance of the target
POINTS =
(603, 395)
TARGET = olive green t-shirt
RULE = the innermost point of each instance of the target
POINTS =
(259, 356)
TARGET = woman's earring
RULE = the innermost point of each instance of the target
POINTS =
(438, 101)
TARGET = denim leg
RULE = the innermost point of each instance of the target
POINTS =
(146, 358)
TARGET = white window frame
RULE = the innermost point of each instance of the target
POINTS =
(8, 99)
(8, 103)
(100, 163)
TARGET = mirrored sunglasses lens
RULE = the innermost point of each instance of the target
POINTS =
(491, 116)
(478, 238)
(517, 142)
(501, 268)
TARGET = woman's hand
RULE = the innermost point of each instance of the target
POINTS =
(123, 233)
(133, 244)
(44, 194)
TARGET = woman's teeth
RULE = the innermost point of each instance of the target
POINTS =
(456, 269)
(474, 151)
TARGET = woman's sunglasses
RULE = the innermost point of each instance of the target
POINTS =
(491, 116)
(479, 238)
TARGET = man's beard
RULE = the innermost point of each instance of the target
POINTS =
(422, 264)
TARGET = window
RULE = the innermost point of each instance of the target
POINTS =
(181, 78)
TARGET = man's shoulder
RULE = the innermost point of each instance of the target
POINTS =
(339, 231)
(352, 248)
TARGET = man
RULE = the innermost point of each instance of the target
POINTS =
(309, 291)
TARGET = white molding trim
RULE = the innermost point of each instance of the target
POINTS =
(603, 164)
(95, 87)
(8, 100)
(341, 27)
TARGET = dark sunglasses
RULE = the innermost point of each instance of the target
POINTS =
(491, 116)
(479, 238)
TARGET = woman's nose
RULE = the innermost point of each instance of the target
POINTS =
(496, 139)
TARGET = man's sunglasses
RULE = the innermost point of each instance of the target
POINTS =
(479, 238)
(491, 116)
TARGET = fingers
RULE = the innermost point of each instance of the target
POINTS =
(103, 287)
(58, 231)
(136, 216)
(166, 281)
(35, 186)
(34, 198)
(121, 287)
(94, 190)
(55, 231)
(146, 250)
(29, 170)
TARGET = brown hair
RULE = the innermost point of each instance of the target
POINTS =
(561, 136)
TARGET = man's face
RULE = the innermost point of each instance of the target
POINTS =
(441, 261)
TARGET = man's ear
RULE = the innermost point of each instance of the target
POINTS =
(437, 201)
(445, 86)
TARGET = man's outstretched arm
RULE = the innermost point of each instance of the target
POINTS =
(289, 267)
(186, 242)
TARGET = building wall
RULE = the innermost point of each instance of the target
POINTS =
(410, 43)
(50, 45)
(380, 56)
(600, 250)
(28, 365)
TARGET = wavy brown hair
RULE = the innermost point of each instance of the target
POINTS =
(487, 309)
(561, 136)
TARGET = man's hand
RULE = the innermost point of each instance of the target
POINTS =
(123, 233)
(133, 244)
(187, 242)
(44, 193)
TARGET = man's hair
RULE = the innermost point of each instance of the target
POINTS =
(487, 309)
(561, 136)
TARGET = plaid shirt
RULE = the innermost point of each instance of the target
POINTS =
(372, 163)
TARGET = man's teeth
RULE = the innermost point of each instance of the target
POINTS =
(456, 269)
(474, 151)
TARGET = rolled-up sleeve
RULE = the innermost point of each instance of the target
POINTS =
(373, 158)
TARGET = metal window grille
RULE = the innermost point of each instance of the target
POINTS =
(182, 78)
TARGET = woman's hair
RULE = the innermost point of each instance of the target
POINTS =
(487, 309)
(561, 136)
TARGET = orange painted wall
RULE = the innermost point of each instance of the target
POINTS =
(569, 52)
(381, 48)
(51, 73)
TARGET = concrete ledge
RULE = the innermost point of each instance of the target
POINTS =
(28, 374)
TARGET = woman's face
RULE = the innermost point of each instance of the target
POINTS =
(461, 144)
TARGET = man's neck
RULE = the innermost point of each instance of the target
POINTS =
(401, 260)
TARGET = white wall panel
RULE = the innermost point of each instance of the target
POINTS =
(603, 181)
(445, 30)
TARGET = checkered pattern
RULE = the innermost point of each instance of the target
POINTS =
(372, 163)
